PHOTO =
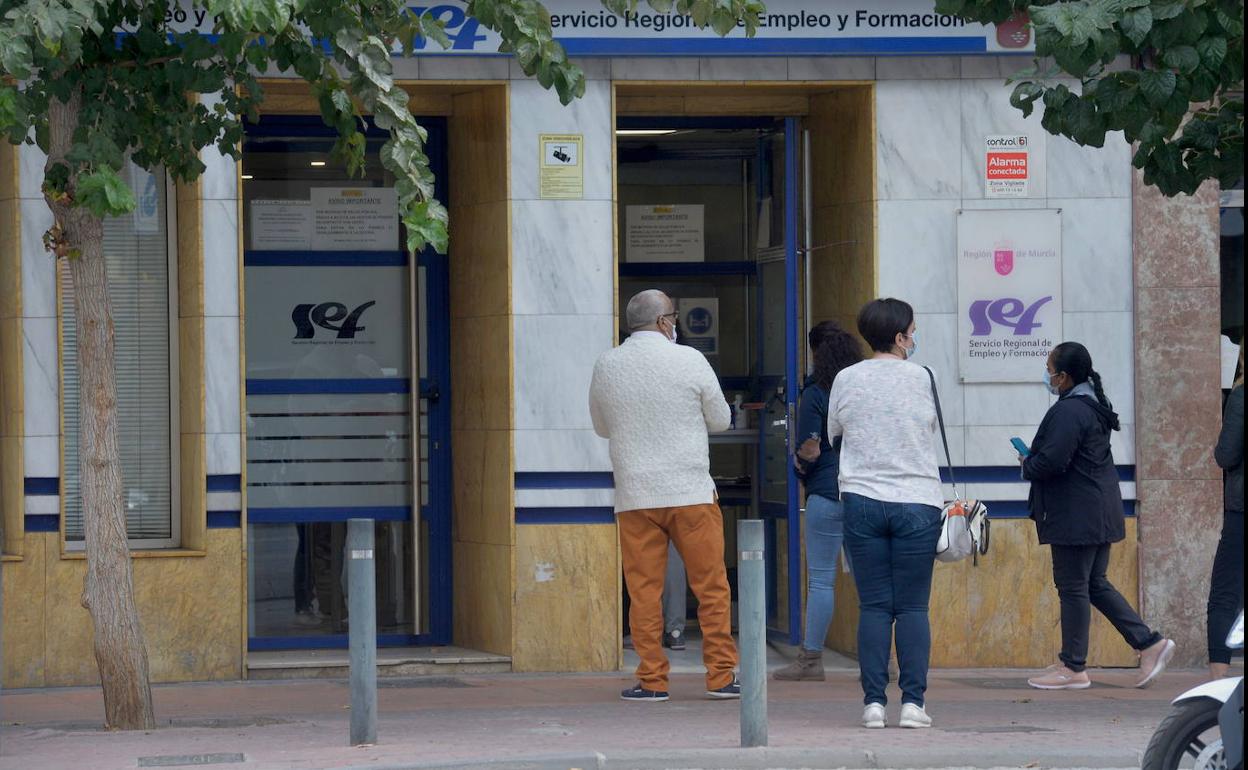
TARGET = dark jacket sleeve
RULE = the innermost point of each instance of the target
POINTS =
(1230, 450)
(812, 413)
(1054, 445)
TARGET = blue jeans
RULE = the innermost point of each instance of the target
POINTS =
(824, 532)
(893, 547)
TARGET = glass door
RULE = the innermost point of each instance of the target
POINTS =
(344, 336)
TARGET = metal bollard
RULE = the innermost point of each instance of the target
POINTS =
(362, 610)
(752, 625)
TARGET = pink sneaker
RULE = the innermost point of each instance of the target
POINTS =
(1061, 678)
(1153, 661)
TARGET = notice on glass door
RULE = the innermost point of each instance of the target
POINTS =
(664, 234)
(280, 225)
(355, 219)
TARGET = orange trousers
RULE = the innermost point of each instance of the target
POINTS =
(698, 532)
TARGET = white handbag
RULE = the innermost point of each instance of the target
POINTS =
(964, 525)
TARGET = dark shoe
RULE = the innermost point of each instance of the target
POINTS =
(808, 667)
(639, 694)
(674, 640)
(730, 691)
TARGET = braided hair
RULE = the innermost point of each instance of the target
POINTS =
(1076, 361)
(834, 349)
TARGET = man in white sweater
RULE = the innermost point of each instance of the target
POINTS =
(655, 401)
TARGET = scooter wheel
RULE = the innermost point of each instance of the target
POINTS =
(1179, 734)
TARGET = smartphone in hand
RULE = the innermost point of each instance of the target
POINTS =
(1020, 447)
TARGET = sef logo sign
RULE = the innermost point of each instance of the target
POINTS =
(462, 30)
(1008, 311)
(328, 315)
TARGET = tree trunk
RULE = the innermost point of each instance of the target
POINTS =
(108, 593)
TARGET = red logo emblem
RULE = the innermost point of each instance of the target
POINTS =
(1014, 32)
(1003, 260)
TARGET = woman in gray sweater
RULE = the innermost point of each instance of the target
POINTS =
(890, 488)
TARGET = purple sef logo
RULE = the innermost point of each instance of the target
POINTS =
(1007, 311)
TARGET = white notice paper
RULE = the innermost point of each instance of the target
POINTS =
(280, 225)
(355, 219)
(664, 234)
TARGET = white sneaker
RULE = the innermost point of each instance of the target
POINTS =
(914, 716)
(873, 716)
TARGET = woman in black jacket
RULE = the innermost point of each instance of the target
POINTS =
(1226, 586)
(1077, 506)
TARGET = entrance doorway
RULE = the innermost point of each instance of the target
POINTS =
(709, 214)
(347, 360)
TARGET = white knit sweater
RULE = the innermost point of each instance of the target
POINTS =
(655, 401)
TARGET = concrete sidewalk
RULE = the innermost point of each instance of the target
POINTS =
(983, 718)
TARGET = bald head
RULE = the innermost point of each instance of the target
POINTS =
(645, 308)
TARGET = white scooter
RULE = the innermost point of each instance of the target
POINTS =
(1206, 724)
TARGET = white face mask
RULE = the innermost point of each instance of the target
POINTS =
(908, 352)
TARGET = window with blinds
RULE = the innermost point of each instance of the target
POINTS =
(142, 281)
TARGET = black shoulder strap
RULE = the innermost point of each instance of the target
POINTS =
(940, 418)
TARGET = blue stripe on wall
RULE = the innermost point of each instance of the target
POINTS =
(43, 522)
(313, 387)
(36, 485)
(708, 46)
(226, 482)
(565, 480)
(225, 519)
(596, 515)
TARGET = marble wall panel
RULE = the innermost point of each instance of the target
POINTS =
(220, 257)
(567, 598)
(1176, 239)
(561, 450)
(479, 155)
(647, 68)
(223, 403)
(1176, 331)
(1089, 172)
(480, 250)
(937, 349)
(918, 253)
(743, 69)
(223, 453)
(1096, 254)
(1180, 521)
(1006, 404)
(986, 111)
(918, 159)
(220, 178)
(555, 358)
(464, 68)
(480, 353)
(31, 162)
(38, 266)
(822, 68)
(484, 573)
(1110, 338)
(565, 498)
(918, 67)
(564, 257)
(535, 111)
(41, 373)
(42, 456)
(997, 68)
(595, 68)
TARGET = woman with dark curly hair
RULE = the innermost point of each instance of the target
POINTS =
(818, 464)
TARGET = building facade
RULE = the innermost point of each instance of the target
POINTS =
(285, 365)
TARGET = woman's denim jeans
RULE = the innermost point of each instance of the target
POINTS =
(824, 532)
(892, 547)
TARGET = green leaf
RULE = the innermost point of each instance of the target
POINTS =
(1157, 86)
(1212, 51)
(1183, 58)
(1136, 24)
(104, 193)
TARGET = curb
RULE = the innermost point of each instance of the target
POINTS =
(767, 758)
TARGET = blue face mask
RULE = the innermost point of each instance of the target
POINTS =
(914, 346)
(1048, 384)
